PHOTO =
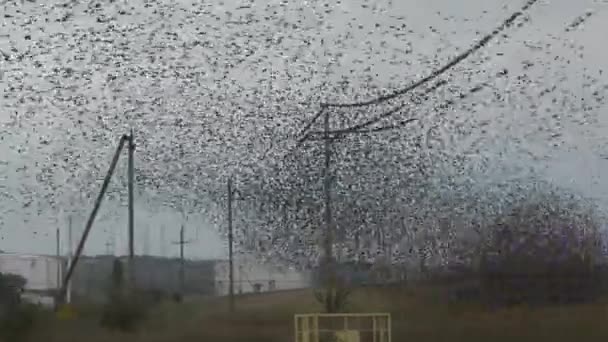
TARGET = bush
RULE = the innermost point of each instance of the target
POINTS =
(123, 313)
(16, 318)
(335, 293)
(177, 297)
(11, 286)
(125, 310)
(543, 251)
(17, 325)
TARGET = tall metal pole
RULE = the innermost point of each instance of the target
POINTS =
(89, 224)
(230, 239)
(58, 251)
(329, 267)
(131, 172)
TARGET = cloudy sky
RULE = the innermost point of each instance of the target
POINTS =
(74, 76)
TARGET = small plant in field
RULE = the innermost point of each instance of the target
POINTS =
(334, 299)
(334, 296)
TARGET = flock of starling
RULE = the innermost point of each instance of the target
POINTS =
(223, 89)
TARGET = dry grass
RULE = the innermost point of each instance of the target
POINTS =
(418, 315)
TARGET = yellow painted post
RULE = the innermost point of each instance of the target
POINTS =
(296, 331)
(382, 330)
(307, 326)
(374, 328)
(390, 328)
(315, 326)
(305, 330)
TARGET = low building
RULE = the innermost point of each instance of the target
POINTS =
(43, 275)
(92, 276)
(91, 279)
(252, 276)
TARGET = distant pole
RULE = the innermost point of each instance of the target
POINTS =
(59, 263)
(70, 242)
(162, 241)
(70, 252)
(182, 258)
(230, 240)
(182, 278)
(131, 172)
(146, 240)
(108, 244)
(57, 243)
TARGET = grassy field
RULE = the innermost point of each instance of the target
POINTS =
(418, 315)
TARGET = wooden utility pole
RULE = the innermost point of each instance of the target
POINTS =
(328, 262)
(91, 219)
(131, 175)
(230, 252)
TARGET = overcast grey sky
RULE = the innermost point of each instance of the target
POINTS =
(579, 162)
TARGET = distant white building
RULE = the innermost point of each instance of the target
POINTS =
(252, 276)
(42, 274)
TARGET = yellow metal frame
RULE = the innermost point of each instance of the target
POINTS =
(306, 326)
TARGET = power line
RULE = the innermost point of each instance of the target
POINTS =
(363, 129)
(389, 113)
(438, 72)
(302, 133)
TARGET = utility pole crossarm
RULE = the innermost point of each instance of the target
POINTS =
(239, 195)
(183, 242)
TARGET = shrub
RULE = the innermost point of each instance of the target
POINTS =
(11, 286)
(16, 318)
(124, 310)
(123, 313)
(177, 297)
(17, 325)
(335, 292)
